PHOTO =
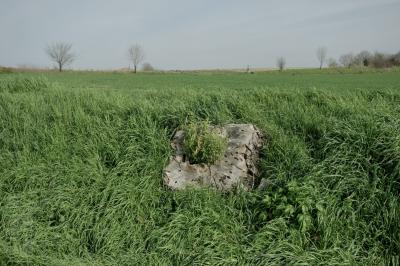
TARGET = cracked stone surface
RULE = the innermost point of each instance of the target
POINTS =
(236, 168)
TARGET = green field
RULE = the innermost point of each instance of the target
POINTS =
(82, 153)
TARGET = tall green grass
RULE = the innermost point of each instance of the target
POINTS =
(81, 170)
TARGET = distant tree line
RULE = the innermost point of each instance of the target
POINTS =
(366, 59)
(362, 59)
(61, 54)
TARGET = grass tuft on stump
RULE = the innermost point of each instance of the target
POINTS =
(202, 143)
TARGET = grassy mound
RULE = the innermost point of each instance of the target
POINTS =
(81, 171)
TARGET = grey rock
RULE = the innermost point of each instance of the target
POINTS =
(236, 168)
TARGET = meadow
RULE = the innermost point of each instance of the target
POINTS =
(82, 154)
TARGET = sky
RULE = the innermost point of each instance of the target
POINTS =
(188, 34)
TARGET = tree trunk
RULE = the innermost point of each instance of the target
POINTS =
(134, 69)
(59, 67)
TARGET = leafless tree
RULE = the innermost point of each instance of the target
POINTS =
(136, 55)
(321, 56)
(380, 60)
(61, 54)
(362, 59)
(346, 60)
(280, 63)
(396, 59)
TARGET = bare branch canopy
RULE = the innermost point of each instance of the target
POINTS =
(321, 56)
(280, 63)
(61, 54)
(346, 60)
(136, 55)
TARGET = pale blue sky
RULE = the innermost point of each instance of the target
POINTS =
(179, 34)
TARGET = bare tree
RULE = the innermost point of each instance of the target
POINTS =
(136, 55)
(362, 59)
(380, 60)
(321, 56)
(396, 59)
(61, 54)
(346, 60)
(280, 63)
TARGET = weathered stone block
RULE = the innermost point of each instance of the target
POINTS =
(236, 168)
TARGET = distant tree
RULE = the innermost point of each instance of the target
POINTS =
(136, 55)
(147, 67)
(61, 54)
(365, 58)
(395, 59)
(281, 63)
(321, 56)
(332, 63)
(346, 60)
(362, 59)
(380, 60)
